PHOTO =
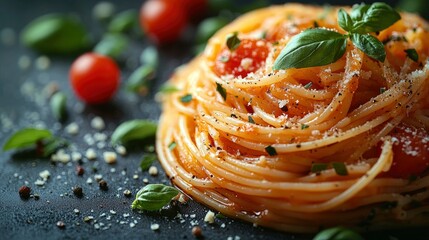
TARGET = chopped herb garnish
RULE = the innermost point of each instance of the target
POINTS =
(382, 90)
(308, 85)
(58, 105)
(172, 146)
(250, 119)
(220, 216)
(412, 54)
(232, 41)
(187, 98)
(167, 88)
(153, 197)
(340, 168)
(319, 47)
(318, 167)
(221, 90)
(304, 126)
(224, 58)
(147, 161)
(264, 35)
(271, 150)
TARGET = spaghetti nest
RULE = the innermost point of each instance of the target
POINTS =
(301, 149)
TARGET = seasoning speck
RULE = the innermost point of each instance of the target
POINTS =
(153, 171)
(103, 185)
(197, 232)
(127, 193)
(80, 170)
(24, 192)
(77, 191)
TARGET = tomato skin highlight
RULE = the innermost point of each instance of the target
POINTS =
(94, 78)
(410, 152)
(163, 20)
(248, 57)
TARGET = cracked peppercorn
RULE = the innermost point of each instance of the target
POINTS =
(24, 192)
(103, 185)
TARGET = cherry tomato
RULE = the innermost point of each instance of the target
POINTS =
(163, 20)
(248, 57)
(410, 152)
(94, 78)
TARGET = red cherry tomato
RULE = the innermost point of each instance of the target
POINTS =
(248, 57)
(163, 20)
(410, 152)
(94, 78)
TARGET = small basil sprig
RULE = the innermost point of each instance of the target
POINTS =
(133, 130)
(338, 233)
(124, 21)
(112, 45)
(58, 103)
(153, 197)
(319, 47)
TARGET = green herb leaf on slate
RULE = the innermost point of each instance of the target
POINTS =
(153, 197)
(112, 45)
(147, 161)
(311, 48)
(167, 89)
(51, 145)
(56, 34)
(370, 45)
(221, 90)
(412, 54)
(58, 103)
(25, 138)
(338, 233)
(124, 21)
(232, 41)
(150, 56)
(133, 130)
(140, 78)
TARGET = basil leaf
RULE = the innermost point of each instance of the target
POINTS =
(340, 168)
(140, 78)
(376, 17)
(370, 45)
(58, 105)
(52, 145)
(25, 138)
(133, 130)
(186, 98)
(311, 48)
(112, 45)
(153, 197)
(150, 56)
(221, 90)
(56, 33)
(271, 150)
(123, 22)
(412, 54)
(209, 27)
(358, 11)
(147, 161)
(232, 41)
(167, 88)
(318, 167)
(344, 20)
(338, 233)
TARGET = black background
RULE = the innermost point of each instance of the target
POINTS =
(36, 219)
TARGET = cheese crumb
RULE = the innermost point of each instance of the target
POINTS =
(97, 123)
(154, 226)
(39, 182)
(109, 157)
(246, 63)
(76, 156)
(153, 171)
(90, 154)
(72, 128)
(121, 150)
(210, 217)
(45, 175)
(24, 62)
(42, 63)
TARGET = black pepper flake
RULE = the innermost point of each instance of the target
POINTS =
(61, 225)
(24, 192)
(103, 185)
(78, 191)
(285, 108)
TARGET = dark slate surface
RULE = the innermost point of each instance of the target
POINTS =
(36, 219)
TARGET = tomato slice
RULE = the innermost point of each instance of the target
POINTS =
(248, 57)
(410, 152)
